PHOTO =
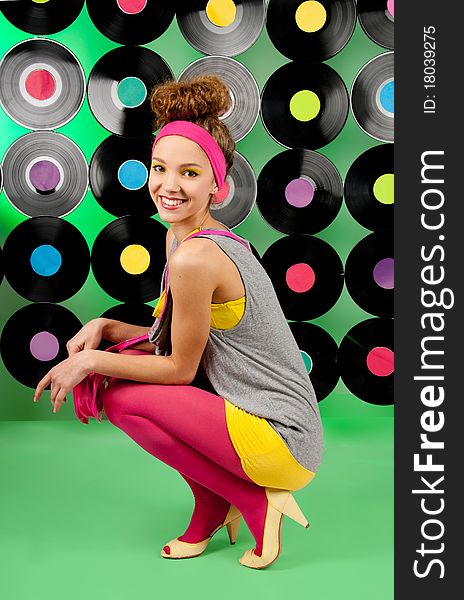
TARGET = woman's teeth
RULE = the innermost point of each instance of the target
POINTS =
(169, 202)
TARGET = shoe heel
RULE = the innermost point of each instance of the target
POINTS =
(232, 529)
(283, 501)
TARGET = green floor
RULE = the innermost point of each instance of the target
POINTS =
(85, 512)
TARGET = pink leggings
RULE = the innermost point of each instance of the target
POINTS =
(185, 427)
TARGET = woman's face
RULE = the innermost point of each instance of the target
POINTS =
(180, 170)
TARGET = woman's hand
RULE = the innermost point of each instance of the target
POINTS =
(64, 376)
(89, 336)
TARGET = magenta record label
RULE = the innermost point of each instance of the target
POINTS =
(377, 18)
(307, 275)
(42, 84)
(46, 259)
(366, 360)
(131, 22)
(34, 340)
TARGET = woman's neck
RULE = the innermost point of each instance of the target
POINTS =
(182, 230)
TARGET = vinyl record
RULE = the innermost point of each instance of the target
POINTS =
(131, 22)
(299, 191)
(243, 89)
(42, 84)
(369, 188)
(369, 273)
(45, 174)
(366, 359)
(119, 172)
(34, 340)
(315, 30)
(46, 259)
(119, 89)
(2, 265)
(235, 201)
(128, 258)
(135, 313)
(319, 352)
(1, 179)
(372, 98)
(377, 18)
(224, 28)
(307, 275)
(42, 18)
(304, 105)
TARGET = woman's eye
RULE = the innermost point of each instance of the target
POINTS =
(191, 173)
(156, 167)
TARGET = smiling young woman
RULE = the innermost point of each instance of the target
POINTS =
(257, 436)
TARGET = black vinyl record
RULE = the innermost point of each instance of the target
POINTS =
(304, 105)
(234, 202)
(128, 258)
(42, 84)
(42, 18)
(369, 188)
(299, 191)
(135, 313)
(307, 275)
(119, 172)
(366, 359)
(377, 18)
(34, 340)
(319, 352)
(45, 174)
(372, 97)
(131, 22)
(369, 273)
(224, 28)
(46, 259)
(119, 89)
(243, 89)
(313, 30)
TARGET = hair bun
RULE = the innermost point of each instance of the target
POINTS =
(199, 98)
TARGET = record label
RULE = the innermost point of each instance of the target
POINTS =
(299, 191)
(315, 30)
(304, 106)
(307, 275)
(42, 84)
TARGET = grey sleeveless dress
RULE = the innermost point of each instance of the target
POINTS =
(257, 364)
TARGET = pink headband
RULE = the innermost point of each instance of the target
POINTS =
(203, 139)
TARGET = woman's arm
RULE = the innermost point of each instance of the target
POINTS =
(193, 277)
(118, 331)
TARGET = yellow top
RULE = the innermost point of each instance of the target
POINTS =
(224, 315)
(264, 456)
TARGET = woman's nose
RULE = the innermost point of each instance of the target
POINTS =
(170, 181)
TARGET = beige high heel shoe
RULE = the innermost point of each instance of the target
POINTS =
(178, 549)
(280, 503)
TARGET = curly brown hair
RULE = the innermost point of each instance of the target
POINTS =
(201, 100)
